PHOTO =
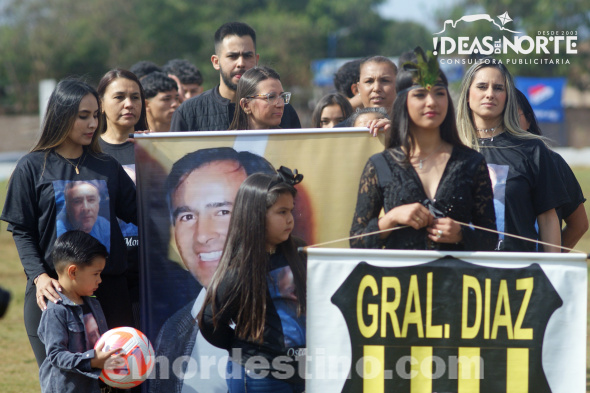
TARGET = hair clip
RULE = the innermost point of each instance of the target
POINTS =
(289, 176)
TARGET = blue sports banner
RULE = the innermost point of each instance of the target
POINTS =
(545, 95)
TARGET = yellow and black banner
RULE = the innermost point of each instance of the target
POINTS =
(384, 321)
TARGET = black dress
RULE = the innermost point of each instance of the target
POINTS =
(463, 194)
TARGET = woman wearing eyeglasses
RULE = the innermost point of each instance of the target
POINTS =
(260, 100)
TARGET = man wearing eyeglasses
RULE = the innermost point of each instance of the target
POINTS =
(235, 53)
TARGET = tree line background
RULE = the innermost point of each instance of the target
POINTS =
(57, 38)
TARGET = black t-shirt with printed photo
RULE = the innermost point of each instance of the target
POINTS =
(125, 154)
(35, 206)
(526, 183)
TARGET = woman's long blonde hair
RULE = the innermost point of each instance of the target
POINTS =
(510, 120)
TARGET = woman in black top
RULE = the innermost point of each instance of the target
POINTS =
(573, 212)
(122, 102)
(65, 183)
(527, 185)
(426, 179)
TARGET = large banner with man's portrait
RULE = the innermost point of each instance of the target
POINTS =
(423, 321)
(187, 184)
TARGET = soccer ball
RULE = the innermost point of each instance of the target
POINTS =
(138, 355)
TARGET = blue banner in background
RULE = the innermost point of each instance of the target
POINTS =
(324, 69)
(545, 95)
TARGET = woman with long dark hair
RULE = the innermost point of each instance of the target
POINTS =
(123, 112)
(67, 183)
(260, 100)
(527, 184)
(330, 110)
(259, 286)
(426, 179)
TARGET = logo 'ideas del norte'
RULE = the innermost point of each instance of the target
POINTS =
(544, 43)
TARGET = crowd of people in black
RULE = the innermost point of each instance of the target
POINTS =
(446, 180)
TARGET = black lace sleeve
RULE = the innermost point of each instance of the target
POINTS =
(368, 206)
(482, 214)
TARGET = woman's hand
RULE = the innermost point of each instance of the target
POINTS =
(377, 125)
(414, 215)
(445, 230)
(107, 360)
(47, 287)
(132, 140)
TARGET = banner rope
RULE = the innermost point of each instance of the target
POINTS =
(458, 222)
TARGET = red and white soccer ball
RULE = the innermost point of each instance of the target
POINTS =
(138, 355)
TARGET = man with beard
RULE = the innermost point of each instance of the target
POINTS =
(235, 53)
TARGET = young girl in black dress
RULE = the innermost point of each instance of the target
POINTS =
(66, 183)
(426, 178)
(260, 286)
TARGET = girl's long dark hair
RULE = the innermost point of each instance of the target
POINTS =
(400, 134)
(61, 113)
(327, 100)
(106, 80)
(244, 265)
(528, 112)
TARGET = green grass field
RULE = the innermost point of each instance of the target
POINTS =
(18, 368)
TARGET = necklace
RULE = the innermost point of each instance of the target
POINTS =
(488, 130)
(80, 161)
(421, 161)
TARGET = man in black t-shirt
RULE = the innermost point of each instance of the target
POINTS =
(235, 53)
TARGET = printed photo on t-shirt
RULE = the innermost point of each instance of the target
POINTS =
(129, 230)
(281, 286)
(498, 176)
(91, 328)
(83, 205)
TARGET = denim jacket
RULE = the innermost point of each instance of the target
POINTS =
(67, 366)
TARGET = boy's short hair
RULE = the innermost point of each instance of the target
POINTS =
(346, 76)
(144, 67)
(186, 72)
(157, 82)
(77, 248)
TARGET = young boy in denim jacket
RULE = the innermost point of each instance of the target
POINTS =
(69, 329)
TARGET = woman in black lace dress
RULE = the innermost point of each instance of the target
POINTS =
(426, 178)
